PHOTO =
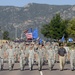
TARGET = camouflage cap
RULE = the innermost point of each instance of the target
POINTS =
(27, 43)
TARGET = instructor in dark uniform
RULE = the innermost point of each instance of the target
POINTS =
(62, 54)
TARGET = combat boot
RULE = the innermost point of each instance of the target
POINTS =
(50, 68)
(21, 69)
(1, 67)
(12, 66)
(30, 68)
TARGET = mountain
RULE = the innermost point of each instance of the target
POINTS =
(31, 16)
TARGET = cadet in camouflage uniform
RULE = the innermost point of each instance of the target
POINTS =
(44, 54)
(22, 58)
(67, 52)
(26, 49)
(56, 52)
(47, 46)
(11, 54)
(36, 46)
(40, 57)
(72, 58)
(31, 54)
(51, 58)
(17, 49)
(1, 58)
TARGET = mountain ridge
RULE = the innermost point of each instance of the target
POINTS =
(31, 15)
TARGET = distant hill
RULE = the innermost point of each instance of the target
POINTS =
(32, 15)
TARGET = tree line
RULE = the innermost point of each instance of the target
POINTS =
(59, 27)
(55, 29)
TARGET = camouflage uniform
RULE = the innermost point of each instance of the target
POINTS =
(17, 49)
(1, 58)
(22, 59)
(67, 53)
(31, 57)
(56, 53)
(51, 56)
(72, 59)
(11, 61)
(40, 57)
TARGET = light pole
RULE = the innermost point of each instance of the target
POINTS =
(22, 35)
(16, 26)
(1, 35)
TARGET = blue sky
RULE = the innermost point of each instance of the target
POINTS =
(21, 3)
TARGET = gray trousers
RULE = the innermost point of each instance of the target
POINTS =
(66, 58)
(1, 62)
(40, 62)
(72, 63)
(44, 59)
(11, 62)
(56, 57)
(22, 62)
(31, 62)
(50, 62)
(16, 57)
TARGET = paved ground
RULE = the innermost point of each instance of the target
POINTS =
(44, 71)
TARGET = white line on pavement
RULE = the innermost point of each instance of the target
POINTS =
(41, 73)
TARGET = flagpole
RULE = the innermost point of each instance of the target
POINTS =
(22, 35)
(15, 26)
(64, 38)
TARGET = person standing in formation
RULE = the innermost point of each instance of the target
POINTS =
(22, 59)
(67, 53)
(11, 56)
(72, 57)
(1, 58)
(40, 54)
(31, 55)
(51, 58)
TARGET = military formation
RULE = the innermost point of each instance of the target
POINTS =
(30, 53)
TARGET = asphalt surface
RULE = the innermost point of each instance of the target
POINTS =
(45, 70)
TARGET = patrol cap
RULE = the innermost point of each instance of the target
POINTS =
(61, 44)
(72, 46)
(32, 43)
(27, 43)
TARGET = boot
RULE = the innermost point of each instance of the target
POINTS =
(50, 68)
(12, 66)
(21, 69)
(1, 67)
(30, 68)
